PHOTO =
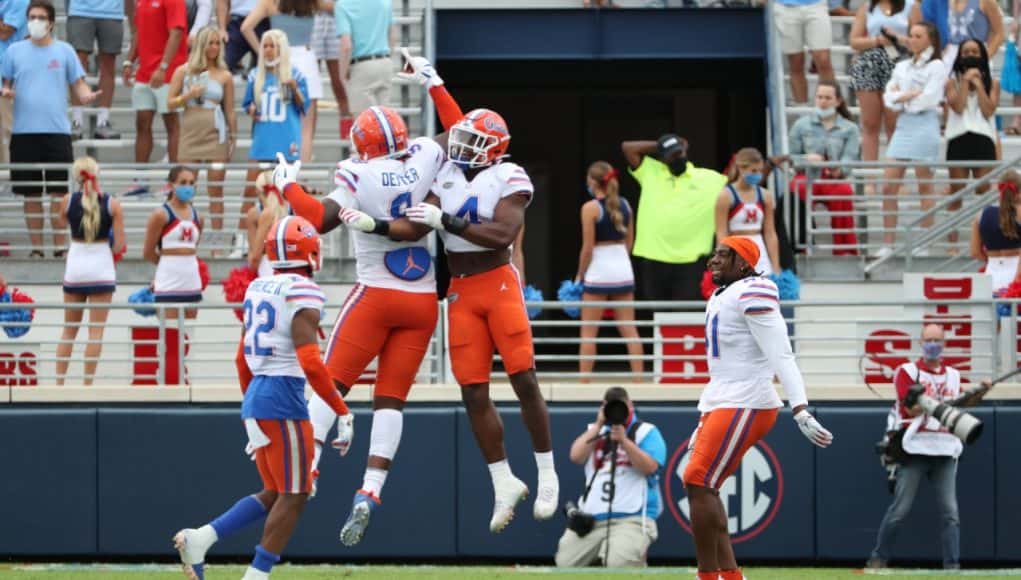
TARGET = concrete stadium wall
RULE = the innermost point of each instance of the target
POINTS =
(108, 482)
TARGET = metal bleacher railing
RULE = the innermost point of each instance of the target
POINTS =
(835, 342)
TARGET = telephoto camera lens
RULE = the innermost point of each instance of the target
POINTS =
(616, 412)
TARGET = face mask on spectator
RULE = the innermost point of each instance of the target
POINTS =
(273, 62)
(588, 188)
(184, 193)
(753, 179)
(678, 166)
(932, 350)
(38, 29)
(967, 62)
(825, 113)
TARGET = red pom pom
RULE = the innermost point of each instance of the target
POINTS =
(21, 297)
(120, 255)
(204, 274)
(235, 285)
(1012, 291)
(707, 285)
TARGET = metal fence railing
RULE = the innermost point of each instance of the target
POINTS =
(838, 343)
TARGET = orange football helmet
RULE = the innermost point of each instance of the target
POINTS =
(379, 132)
(481, 138)
(293, 242)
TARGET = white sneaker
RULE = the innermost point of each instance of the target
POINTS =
(240, 246)
(253, 574)
(547, 496)
(884, 252)
(192, 547)
(507, 495)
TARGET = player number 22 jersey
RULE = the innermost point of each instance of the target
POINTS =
(384, 189)
(476, 200)
(270, 305)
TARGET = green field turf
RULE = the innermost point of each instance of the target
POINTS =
(286, 572)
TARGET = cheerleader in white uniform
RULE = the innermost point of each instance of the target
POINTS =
(746, 209)
(171, 242)
(604, 266)
(97, 233)
(260, 218)
(996, 234)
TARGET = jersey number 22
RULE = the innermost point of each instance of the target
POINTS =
(266, 326)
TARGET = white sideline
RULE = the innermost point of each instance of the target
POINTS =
(432, 393)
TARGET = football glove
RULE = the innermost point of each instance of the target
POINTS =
(345, 432)
(358, 220)
(285, 173)
(426, 213)
(420, 70)
(811, 429)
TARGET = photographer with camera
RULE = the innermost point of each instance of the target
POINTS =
(615, 518)
(924, 441)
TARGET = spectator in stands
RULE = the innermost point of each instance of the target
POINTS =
(229, 16)
(971, 97)
(959, 20)
(744, 208)
(276, 98)
(36, 73)
(879, 37)
(996, 234)
(604, 266)
(158, 30)
(13, 27)
(326, 46)
(204, 88)
(200, 15)
(171, 242)
(261, 217)
(95, 24)
(915, 91)
(364, 28)
(296, 19)
(930, 451)
(805, 23)
(674, 228)
(632, 454)
(828, 134)
(97, 234)
(1012, 82)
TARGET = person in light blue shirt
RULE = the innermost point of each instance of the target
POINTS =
(364, 28)
(632, 453)
(13, 27)
(36, 73)
(93, 24)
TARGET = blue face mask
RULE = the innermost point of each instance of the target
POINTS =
(184, 193)
(588, 188)
(932, 350)
(753, 179)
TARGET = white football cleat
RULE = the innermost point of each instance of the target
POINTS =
(547, 496)
(507, 495)
(253, 574)
(192, 547)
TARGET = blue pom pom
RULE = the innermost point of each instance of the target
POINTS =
(1003, 309)
(570, 291)
(21, 315)
(788, 283)
(143, 296)
(533, 294)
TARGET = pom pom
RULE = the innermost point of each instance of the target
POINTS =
(203, 274)
(707, 284)
(788, 283)
(533, 294)
(235, 285)
(21, 316)
(1013, 290)
(570, 291)
(120, 255)
(143, 296)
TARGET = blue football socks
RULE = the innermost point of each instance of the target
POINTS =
(245, 512)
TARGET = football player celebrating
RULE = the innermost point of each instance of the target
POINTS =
(391, 312)
(278, 352)
(478, 206)
(746, 344)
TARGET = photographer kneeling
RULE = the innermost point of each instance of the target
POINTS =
(924, 441)
(616, 518)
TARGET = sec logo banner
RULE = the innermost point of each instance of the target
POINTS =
(751, 496)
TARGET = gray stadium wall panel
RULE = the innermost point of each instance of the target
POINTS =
(49, 481)
(1007, 483)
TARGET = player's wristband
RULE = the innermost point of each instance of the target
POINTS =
(453, 224)
(382, 228)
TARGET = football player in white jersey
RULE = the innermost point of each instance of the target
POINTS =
(746, 345)
(478, 207)
(278, 352)
(391, 312)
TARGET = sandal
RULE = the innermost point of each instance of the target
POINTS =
(36, 254)
(1013, 130)
(59, 253)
